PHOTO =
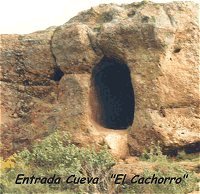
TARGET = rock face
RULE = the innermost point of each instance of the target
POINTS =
(47, 78)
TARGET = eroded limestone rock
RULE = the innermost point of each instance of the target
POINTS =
(158, 42)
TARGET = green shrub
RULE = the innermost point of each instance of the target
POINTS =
(193, 157)
(164, 167)
(167, 169)
(57, 155)
(154, 154)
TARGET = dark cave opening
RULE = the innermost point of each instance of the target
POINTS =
(113, 94)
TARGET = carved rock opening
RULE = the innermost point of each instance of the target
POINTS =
(112, 96)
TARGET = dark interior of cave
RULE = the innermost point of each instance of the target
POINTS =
(114, 94)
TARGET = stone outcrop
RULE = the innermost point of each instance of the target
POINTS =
(46, 77)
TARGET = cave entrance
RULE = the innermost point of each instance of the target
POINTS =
(112, 94)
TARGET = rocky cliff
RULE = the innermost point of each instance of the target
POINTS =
(48, 79)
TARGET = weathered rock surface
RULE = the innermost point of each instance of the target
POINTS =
(46, 76)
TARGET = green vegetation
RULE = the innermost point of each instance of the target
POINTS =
(154, 155)
(58, 155)
(165, 167)
(182, 156)
(166, 170)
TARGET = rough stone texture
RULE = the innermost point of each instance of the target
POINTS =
(158, 42)
(118, 144)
